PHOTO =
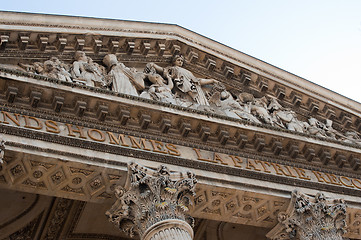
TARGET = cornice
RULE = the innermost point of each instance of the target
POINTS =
(14, 21)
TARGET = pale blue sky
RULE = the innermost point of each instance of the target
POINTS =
(319, 40)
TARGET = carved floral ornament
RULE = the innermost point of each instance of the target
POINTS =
(176, 85)
(311, 218)
(152, 197)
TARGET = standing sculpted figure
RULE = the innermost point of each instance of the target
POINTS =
(185, 81)
(122, 78)
(86, 71)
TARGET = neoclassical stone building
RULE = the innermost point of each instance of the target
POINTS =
(130, 130)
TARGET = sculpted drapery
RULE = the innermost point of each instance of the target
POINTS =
(123, 79)
(176, 85)
(185, 81)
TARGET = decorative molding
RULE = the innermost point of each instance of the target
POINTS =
(59, 178)
(27, 232)
(57, 219)
(237, 206)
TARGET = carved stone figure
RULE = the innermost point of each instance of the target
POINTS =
(310, 218)
(222, 99)
(152, 199)
(320, 129)
(259, 109)
(122, 78)
(56, 69)
(351, 137)
(245, 97)
(2, 151)
(36, 67)
(285, 118)
(161, 91)
(315, 128)
(84, 70)
(185, 81)
(176, 85)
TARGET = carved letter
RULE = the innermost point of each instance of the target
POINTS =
(52, 126)
(72, 131)
(237, 161)
(100, 133)
(114, 140)
(172, 149)
(14, 120)
(301, 173)
(158, 146)
(250, 165)
(139, 144)
(38, 126)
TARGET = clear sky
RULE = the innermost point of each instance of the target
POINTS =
(319, 40)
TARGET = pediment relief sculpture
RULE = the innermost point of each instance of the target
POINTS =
(85, 71)
(174, 84)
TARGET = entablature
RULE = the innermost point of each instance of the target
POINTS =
(103, 109)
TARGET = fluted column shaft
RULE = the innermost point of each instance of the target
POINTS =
(171, 229)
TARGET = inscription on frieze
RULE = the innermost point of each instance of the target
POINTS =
(164, 148)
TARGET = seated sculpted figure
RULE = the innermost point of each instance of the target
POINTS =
(316, 128)
(224, 100)
(160, 90)
(36, 67)
(286, 118)
(351, 137)
(185, 81)
(55, 69)
(122, 78)
(259, 109)
(85, 71)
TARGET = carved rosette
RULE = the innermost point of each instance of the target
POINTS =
(154, 203)
(309, 218)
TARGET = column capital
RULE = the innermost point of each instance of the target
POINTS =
(153, 198)
(311, 218)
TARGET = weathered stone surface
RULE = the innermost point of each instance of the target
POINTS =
(151, 200)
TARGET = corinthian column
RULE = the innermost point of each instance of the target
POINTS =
(154, 204)
(311, 218)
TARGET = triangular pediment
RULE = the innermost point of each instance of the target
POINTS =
(76, 89)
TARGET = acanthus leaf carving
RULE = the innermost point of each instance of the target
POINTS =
(150, 197)
(311, 218)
